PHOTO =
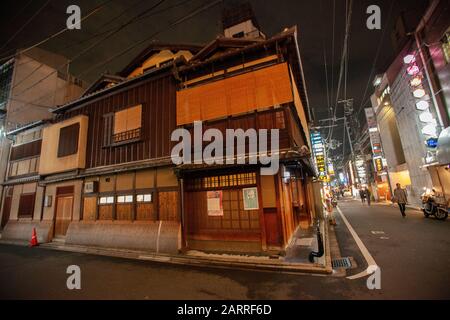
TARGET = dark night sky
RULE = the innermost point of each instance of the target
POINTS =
(314, 19)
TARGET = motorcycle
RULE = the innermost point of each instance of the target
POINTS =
(432, 208)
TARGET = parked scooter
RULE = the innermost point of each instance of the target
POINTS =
(432, 208)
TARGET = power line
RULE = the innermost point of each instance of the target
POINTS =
(343, 58)
(375, 59)
(20, 11)
(147, 14)
(325, 59)
(86, 40)
(117, 29)
(180, 20)
(173, 24)
(25, 24)
(95, 10)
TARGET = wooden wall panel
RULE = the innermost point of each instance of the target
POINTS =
(89, 208)
(105, 212)
(270, 86)
(124, 211)
(145, 212)
(157, 97)
(168, 206)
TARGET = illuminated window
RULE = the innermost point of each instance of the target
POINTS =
(125, 199)
(106, 200)
(127, 124)
(218, 182)
(144, 197)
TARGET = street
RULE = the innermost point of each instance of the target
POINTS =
(412, 253)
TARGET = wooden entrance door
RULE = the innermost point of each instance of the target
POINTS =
(6, 211)
(64, 206)
(273, 234)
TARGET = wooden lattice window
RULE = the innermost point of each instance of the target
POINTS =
(68, 140)
(26, 205)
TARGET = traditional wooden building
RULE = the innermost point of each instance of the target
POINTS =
(247, 83)
(106, 176)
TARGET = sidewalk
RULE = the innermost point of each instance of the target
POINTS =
(395, 205)
(291, 263)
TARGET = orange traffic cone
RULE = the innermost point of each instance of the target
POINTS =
(34, 241)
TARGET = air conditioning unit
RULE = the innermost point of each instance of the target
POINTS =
(90, 187)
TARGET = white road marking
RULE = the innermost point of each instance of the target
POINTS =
(377, 232)
(366, 254)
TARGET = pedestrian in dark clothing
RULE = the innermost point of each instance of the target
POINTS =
(401, 198)
(369, 196)
(362, 195)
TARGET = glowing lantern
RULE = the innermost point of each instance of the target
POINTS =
(426, 116)
(409, 59)
(419, 93)
(430, 130)
(416, 81)
(422, 105)
(413, 70)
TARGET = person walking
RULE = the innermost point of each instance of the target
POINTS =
(368, 195)
(362, 195)
(401, 198)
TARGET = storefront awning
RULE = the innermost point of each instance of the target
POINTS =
(443, 147)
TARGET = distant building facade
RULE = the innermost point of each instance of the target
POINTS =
(31, 83)
(411, 103)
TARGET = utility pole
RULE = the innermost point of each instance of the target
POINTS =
(349, 138)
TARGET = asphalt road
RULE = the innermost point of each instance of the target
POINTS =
(414, 258)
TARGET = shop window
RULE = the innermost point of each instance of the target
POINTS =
(26, 205)
(223, 181)
(127, 124)
(144, 197)
(68, 140)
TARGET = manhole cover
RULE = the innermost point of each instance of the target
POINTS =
(341, 263)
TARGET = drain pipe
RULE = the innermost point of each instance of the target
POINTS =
(318, 254)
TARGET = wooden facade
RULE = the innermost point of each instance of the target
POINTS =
(123, 132)
(157, 97)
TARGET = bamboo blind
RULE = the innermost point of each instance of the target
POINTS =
(239, 94)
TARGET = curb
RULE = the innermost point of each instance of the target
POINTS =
(282, 267)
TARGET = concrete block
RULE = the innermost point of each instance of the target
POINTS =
(22, 230)
(126, 235)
